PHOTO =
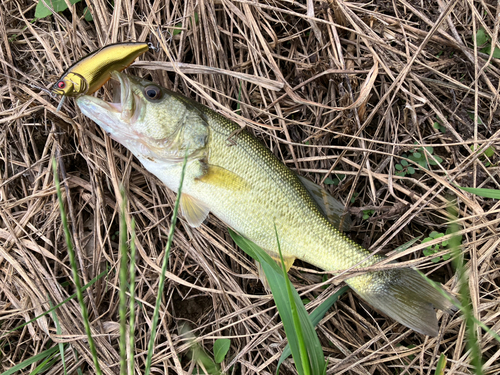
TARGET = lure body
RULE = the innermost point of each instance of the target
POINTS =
(89, 74)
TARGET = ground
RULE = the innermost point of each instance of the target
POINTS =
(391, 106)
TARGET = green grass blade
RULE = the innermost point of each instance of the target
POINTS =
(304, 358)
(156, 312)
(79, 369)
(486, 193)
(40, 356)
(441, 365)
(74, 269)
(279, 289)
(45, 365)
(132, 298)
(59, 331)
(123, 284)
(464, 297)
(316, 317)
(407, 245)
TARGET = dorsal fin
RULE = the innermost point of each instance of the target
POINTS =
(331, 207)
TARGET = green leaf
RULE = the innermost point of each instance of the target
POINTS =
(471, 114)
(482, 37)
(87, 14)
(417, 155)
(404, 163)
(43, 8)
(329, 181)
(316, 317)
(441, 365)
(398, 167)
(490, 151)
(178, 27)
(496, 53)
(487, 50)
(428, 251)
(221, 347)
(435, 162)
(486, 193)
(411, 170)
(433, 234)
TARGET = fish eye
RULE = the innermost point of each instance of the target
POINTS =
(61, 84)
(152, 92)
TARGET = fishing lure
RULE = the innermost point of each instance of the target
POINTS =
(87, 75)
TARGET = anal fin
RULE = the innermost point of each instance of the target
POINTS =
(193, 210)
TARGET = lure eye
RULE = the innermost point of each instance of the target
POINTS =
(152, 92)
(61, 84)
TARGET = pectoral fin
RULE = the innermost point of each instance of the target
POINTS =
(331, 207)
(221, 177)
(193, 210)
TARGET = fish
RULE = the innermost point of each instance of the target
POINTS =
(90, 73)
(232, 175)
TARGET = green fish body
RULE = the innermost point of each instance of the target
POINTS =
(232, 175)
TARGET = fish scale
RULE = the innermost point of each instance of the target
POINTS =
(231, 174)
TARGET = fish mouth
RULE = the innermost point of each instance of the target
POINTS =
(118, 117)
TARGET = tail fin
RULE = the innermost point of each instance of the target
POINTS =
(404, 295)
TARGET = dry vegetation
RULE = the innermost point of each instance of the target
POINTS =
(303, 61)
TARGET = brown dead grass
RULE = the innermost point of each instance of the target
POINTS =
(296, 63)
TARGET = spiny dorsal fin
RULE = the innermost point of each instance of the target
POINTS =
(193, 210)
(331, 207)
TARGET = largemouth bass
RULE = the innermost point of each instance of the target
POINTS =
(247, 187)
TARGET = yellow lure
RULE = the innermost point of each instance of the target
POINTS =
(89, 74)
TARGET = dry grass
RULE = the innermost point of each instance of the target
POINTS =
(295, 64)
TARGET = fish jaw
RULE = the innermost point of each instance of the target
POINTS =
(121, 120)
(108, 116)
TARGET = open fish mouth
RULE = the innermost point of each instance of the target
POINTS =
(118, 116)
